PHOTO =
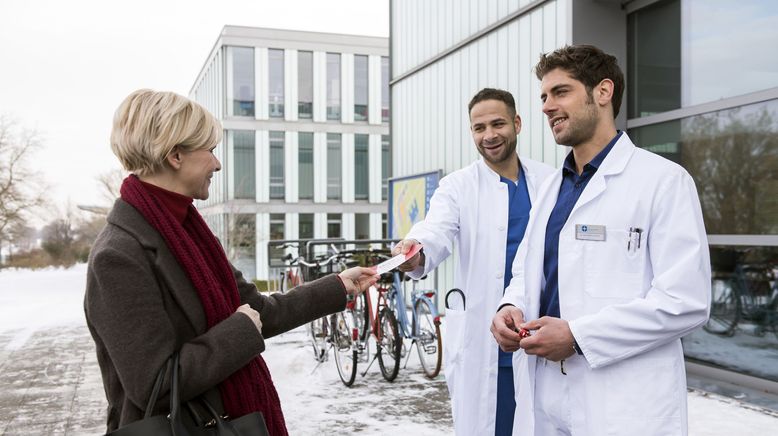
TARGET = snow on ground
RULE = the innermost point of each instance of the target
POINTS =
(50, 381)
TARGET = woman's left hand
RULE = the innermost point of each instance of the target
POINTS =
(358, 279)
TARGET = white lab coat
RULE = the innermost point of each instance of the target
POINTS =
(470, 208)
(626, 309)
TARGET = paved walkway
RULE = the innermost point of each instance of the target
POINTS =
(50, 385)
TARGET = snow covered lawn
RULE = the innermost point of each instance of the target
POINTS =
(50, 381)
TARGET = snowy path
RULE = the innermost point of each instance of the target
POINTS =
(50, 382)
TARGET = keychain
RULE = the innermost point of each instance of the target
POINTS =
(524, 333)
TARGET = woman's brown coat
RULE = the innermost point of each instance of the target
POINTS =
(141, 306)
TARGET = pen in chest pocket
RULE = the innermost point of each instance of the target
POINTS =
(634, 237)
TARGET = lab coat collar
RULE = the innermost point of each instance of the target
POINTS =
(529, 174)
(614, 163)
(617, 158)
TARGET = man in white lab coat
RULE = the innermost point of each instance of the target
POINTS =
(613, 271)
(483, 209)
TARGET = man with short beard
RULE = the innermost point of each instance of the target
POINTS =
(613, 271)
(484, 209)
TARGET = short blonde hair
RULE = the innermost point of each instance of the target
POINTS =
(148, 124)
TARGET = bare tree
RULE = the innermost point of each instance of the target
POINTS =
(21, 189)
(110, 182)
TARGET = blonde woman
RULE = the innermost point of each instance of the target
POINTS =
(159, 282)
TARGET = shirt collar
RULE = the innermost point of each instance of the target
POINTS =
(569, 164)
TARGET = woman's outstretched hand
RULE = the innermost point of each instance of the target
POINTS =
(358, 279)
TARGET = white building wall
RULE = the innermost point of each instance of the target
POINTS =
(291, 166)
(261, 84)
(347, 87)
(263, 235)
(320, 167)
(319, 86)
(292, 225)
(348, 232)
(430, 123)
(290, 85)
(226, 169)
(347, 166)
(211, 88)
(432, 26)
(376, 227)
(210, 94)
(374, 168)
(262, 166)
(374, 89)
(319, 225)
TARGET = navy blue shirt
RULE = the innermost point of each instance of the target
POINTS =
(518, 217)
(569, 192)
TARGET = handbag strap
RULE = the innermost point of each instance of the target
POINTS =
(155, 390)
(176, 425)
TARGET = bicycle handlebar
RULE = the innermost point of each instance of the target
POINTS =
(318, 263)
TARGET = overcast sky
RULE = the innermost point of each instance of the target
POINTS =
(66, 65)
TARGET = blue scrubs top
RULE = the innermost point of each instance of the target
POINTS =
(518, 217)
(569, 192)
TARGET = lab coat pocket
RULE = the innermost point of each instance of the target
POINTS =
(613, 269)
(453, 347)
(641, 397)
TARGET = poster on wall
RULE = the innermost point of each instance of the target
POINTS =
(409, 201)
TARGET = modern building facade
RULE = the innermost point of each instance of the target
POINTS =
(702, 91)
(306, 147)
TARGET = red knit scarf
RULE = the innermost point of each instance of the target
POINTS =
(199, 253)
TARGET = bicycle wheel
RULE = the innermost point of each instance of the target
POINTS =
(428, 339)
(319, 331)
(724, 307)
(390, 345)
(361, 316)
(343, 344)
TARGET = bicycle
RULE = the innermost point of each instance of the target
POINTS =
(749, 293)
(320, 329)
(424, 328)
(291, 276)
(383, 327)
(351, 329)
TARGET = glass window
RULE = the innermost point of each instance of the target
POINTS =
(305, 169)
(733, 157)
(334, 159)
(361, 171)
(654, 59)
(386, 166)
(719, 64)
(742, 331)
(334, 224)
(244, 174)
(691, 60)
(385, 89)
(276, 233)
(276, 83)
(305, 84)
(242, 104)
(306, 226)
(360, 88)
(362, 225)
(277, 188)
(333, 86)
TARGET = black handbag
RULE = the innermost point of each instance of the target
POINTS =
(252, 424)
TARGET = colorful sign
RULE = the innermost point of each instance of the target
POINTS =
(409, 201)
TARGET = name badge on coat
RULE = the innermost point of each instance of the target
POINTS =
(589, 232)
